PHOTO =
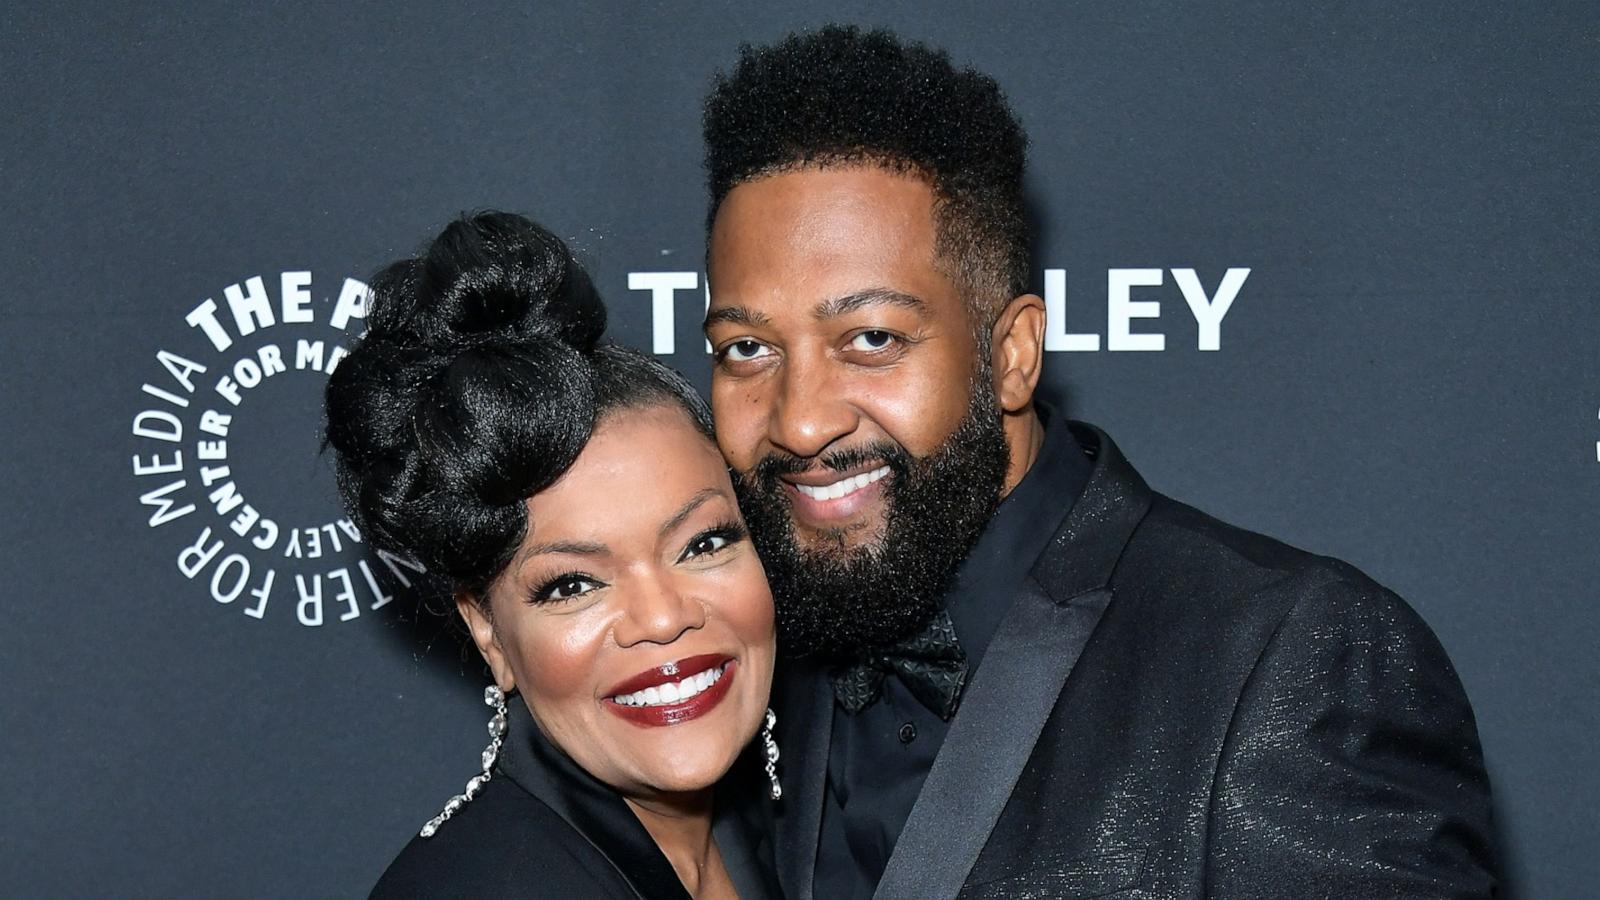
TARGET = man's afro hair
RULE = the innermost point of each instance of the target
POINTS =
(840, 95)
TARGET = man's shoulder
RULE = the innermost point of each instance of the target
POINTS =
(1207, 543)
(1147, 540)
(1191, 564)
(1198, 604)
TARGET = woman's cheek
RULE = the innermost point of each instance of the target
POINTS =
(562, 651)
(746, 599)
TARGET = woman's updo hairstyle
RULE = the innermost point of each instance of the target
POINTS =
(479, 380)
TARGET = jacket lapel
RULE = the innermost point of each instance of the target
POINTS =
(1016, 688)
(804, 705)
(593, 809)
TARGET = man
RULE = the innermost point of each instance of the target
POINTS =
(1015, 670)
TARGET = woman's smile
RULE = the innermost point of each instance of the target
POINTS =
(700, 685)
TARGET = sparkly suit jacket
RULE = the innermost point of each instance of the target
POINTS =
(1171, 708)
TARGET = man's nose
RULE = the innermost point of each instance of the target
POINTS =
(812, 409)
(658, 611)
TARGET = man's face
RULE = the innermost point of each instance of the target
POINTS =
(850, 399)
(834, 330)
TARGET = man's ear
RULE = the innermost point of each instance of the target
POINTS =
(483, 634)
(1016, 351)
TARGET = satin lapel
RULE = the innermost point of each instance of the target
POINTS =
(804, 705)
(1017, 686)
(989, 743)
(593, 809)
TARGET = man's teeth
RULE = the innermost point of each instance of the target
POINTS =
(673, 692)
(843, 487)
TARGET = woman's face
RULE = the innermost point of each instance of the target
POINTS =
(635, 618)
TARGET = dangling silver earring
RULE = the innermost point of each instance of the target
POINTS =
(772, 754)
(492, 696)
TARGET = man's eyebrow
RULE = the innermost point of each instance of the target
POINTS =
(849, 303)
(688, 509)
(735, 315)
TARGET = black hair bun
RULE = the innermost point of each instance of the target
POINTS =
(488, 276)
(473, 389)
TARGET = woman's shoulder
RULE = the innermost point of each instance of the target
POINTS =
(505, 843)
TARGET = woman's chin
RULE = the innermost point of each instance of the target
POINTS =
(690, 757)
(694, 772)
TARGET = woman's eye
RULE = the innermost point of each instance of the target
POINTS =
(712, 540)
(745, 350)
(710, 543)
(872, 340)
(565, 588)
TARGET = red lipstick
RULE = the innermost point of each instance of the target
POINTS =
(680, 711)
(666, 673)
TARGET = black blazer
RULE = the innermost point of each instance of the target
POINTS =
(1173, 707)
(544, 828)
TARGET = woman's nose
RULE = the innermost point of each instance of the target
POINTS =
(658, 611)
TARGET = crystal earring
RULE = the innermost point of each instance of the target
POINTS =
(492, 696)
(772, 754)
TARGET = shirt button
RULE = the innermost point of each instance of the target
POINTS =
(908, 733)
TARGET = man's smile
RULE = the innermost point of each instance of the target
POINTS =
(826, 498)
(840, 486)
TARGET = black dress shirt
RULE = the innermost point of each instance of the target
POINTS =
(880, 756)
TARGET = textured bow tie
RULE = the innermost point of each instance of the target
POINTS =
(930, 663)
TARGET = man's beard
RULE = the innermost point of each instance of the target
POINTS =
(836, 602)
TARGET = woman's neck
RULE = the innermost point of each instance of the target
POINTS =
(680, 824)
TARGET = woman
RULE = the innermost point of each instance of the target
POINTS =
(572, 492)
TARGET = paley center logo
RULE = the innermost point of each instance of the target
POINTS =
(215, 433)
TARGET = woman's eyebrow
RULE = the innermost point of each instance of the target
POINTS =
(576, 548)
(589, 548)
(688, 509)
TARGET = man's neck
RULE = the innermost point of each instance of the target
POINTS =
(1024, 432)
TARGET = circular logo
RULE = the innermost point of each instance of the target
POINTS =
(226, 459)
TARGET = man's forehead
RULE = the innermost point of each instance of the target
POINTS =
(824, 309)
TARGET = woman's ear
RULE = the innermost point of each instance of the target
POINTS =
(481, 627)
(1016, 347)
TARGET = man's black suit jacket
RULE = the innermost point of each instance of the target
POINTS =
(1173, 707)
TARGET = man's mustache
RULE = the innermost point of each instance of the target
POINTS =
(779, 463)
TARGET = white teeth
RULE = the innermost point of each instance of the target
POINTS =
(843, 486)
(672, 692)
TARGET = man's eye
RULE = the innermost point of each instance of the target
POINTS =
(871, 340)
(565, 588)
(744, 351)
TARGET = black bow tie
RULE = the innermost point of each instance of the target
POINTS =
(930, 663)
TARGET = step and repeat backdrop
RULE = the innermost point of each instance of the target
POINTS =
(1328, 273)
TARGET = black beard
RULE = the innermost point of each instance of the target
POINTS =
(836, 603)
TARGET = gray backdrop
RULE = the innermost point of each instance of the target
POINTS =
(1407, 377)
